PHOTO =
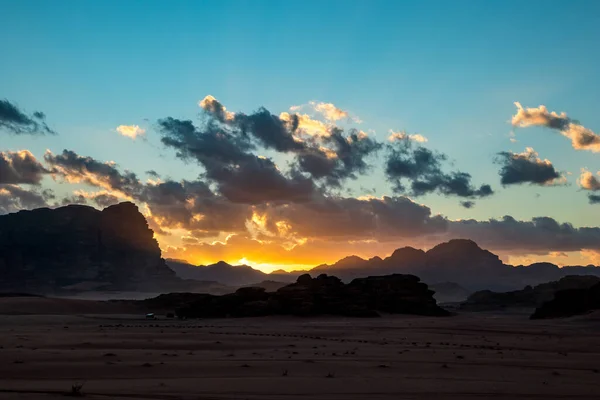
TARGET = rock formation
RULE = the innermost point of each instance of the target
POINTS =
(324, 295)
(570, 302)
(529, 297)
(49, 250)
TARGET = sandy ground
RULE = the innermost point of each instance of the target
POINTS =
(470, 356)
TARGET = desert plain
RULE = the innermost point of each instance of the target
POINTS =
(110, 351)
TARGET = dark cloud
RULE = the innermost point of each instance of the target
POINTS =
(20, 167)
(467, 204)
(594, 198)
(75, 168)
(540, 235)
(269, 130)
(330, 158)
(185, 204)
(14, 198)
(526, 167)
(350, 218)
(192, 205)
(240, 176)
(104, 200)
(344, 157)
(422, 168)
(153, 173)
(15, 121)
(72, 199)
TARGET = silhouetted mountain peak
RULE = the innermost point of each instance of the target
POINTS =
(463, 251)
(407, 254)
(220, 264)
(350, 261)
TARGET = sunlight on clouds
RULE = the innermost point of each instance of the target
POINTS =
(329, 111)
(307, 125)
(588, 181)
(581, 137)
(210, 103)
(401, 135)
(130, 131)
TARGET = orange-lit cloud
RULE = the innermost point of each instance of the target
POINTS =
(588, 181)
(213, 106)
(130, 131)
(308, 125)
(581, 137)
(403, 135)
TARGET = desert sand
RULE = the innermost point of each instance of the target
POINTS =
(118, 354)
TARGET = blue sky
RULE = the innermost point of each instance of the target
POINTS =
(447, 70)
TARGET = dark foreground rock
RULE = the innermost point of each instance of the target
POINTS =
(529, 297)
(80, 248)
(569, 302)
(324, 295)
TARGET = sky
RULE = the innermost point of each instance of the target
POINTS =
(285, 135)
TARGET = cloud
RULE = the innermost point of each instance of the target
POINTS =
(345, 157)
(20, 167)
(467, 204)
(588, 181)
(303, 124)
(15, 121)
(74, 168)
(527, 167)
(215, 108)
(271, 131)
(14, 198)
(102, 199)
(130, 131)
(422, 168)
(350, 218)
(581, 137)
(225, 144)
(329, 111)
(540, 235)
(403, 136)
(191, 205)
(240, 176)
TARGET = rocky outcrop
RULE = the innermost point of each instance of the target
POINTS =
(569, 302)
(323, 295)
(46, 250)
(529, 297)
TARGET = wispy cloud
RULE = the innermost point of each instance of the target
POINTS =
(17, 122)
(581, 137)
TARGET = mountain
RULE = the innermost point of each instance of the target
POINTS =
(49, 250)
(529, 296)
(460, 261)
(233, 275)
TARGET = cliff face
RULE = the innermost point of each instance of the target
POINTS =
(47, 250)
